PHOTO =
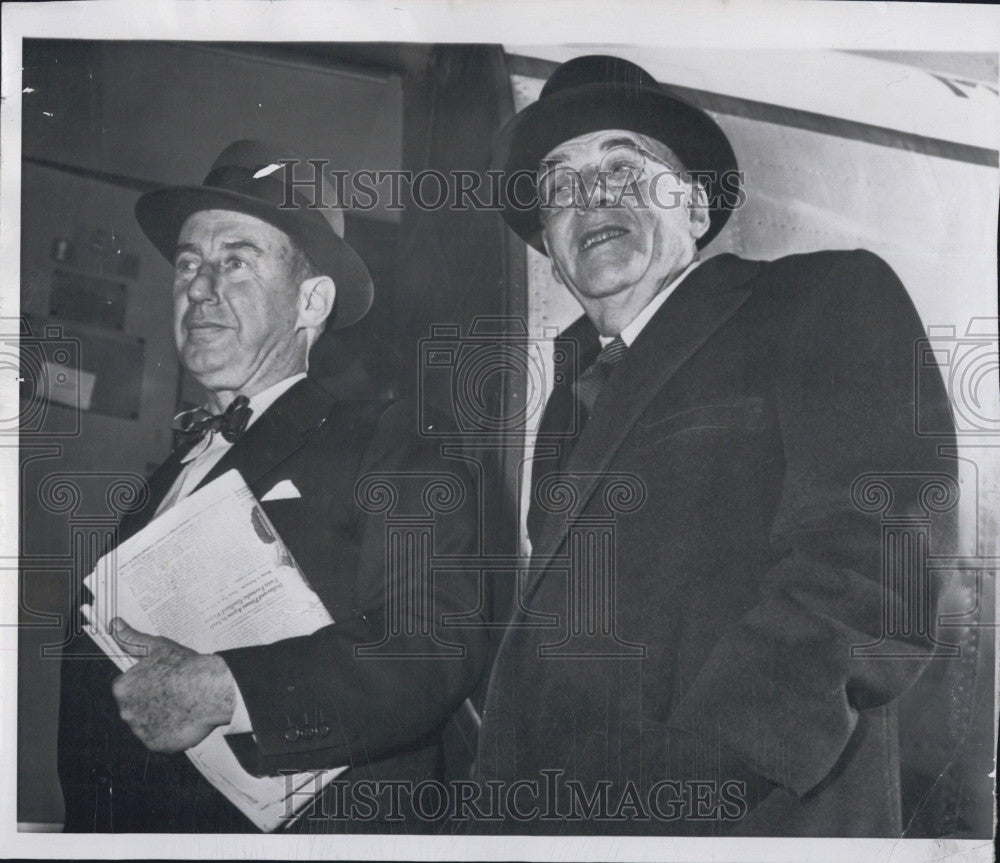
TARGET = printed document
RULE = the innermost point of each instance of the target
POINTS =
(212, 573)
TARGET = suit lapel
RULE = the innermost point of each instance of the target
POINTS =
(687, 319)
(281, 430)
(157, 487)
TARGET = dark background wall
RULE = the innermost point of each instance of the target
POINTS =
(104, 121)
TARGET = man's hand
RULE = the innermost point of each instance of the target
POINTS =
(173, 697)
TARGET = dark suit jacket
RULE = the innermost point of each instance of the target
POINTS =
(311, 702)
(709, 562)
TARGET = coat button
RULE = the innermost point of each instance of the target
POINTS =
(308, 732)
(322, 730)
(292, 734)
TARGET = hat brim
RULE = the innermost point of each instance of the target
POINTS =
(162, 212)
(696, 138)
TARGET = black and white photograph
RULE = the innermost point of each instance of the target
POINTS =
(540, 430)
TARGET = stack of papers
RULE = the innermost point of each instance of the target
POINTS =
(211, 573)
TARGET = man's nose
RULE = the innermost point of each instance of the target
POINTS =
(201, 289)
(593, 190)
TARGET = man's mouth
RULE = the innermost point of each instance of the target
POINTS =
(600, 235)
(203, 328)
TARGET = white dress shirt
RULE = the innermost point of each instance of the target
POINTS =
(630, 332)
(203, 456)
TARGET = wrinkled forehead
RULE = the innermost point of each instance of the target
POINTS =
(588, 148)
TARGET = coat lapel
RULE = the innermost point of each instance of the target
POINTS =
(157, 487)
(701, 304)
(281, 430)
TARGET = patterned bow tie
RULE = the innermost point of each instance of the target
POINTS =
(590, 383)
(194, 424)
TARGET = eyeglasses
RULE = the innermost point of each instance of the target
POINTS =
(561, 186)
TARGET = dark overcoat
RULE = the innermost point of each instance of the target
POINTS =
(712, 636)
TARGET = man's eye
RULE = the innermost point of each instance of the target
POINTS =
(622, 169)
(558, 188)
(234, 263)
(186, 266)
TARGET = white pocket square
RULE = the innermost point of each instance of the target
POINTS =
(284, 490)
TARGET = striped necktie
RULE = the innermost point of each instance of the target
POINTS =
(589, 385)
(197, 423)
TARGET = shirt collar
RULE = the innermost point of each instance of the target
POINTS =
(258, 404)
(264, 399)
(630, 332)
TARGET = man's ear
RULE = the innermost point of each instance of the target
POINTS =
(699, 217)
(315, 303)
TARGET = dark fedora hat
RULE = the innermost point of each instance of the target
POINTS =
(588, 94)
(250, 177)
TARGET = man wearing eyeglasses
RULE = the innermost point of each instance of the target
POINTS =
(614, 251)
(691, 654)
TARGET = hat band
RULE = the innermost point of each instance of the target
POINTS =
(270, 189)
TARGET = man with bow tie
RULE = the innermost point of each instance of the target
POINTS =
(701, 646)
(259, 271)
